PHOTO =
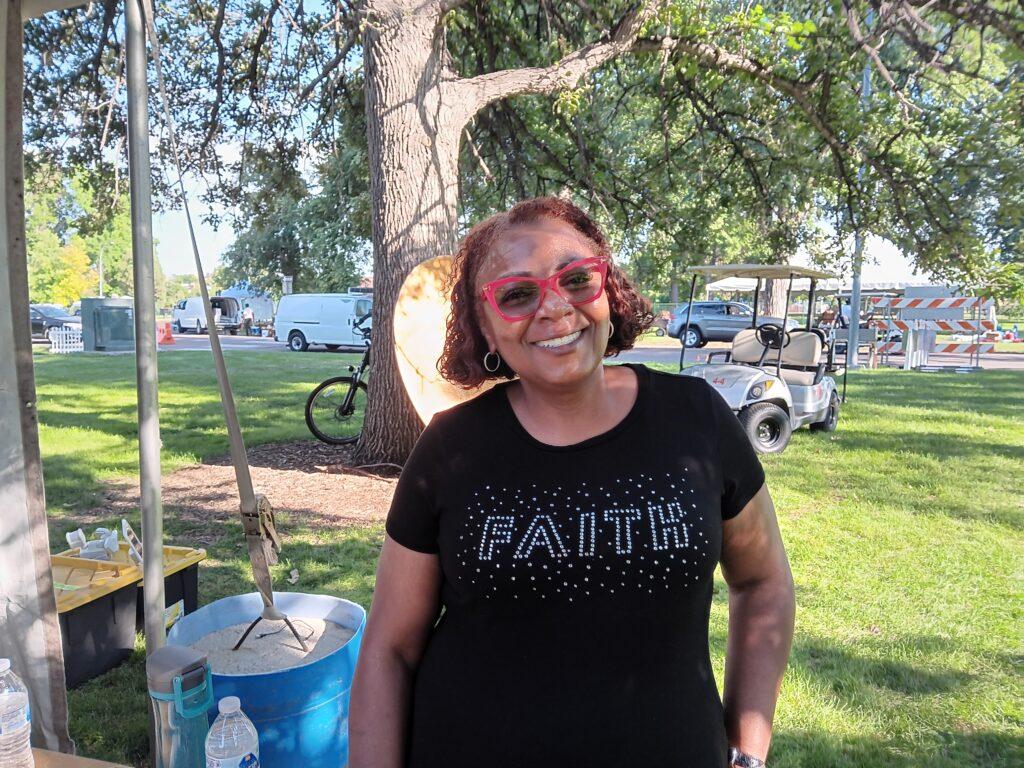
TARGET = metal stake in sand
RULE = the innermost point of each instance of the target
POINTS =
(257, 514)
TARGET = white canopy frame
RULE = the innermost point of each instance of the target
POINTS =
(29, 626)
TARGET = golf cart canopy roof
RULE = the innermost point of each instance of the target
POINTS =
(767, 271)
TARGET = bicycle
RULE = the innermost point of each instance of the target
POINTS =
(331, 407)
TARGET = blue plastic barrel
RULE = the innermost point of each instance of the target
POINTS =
(301, 713)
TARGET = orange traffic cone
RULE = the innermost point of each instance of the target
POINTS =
(163, 333)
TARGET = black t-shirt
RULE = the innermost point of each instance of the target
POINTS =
(577, 582)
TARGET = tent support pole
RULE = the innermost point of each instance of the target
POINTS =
(145, 325)
(858, 249)
(810, 304)
(757, 295)
(686, 328)
(29, 627)
(785, 320)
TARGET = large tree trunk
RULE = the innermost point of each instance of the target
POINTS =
(413, 138)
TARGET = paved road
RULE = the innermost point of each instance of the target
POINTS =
(190, 342)
(992, 361)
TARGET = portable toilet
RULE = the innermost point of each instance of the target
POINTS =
(108, 325)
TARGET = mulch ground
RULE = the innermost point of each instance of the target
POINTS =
(312, 483)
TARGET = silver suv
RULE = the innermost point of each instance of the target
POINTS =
(715, 321)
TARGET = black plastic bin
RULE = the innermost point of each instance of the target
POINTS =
(181, 585)
(101, 607)
(98, 635)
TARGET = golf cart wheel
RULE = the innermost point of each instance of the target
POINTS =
(297, 342)
(831, 420)
(694, 338)
(767, 426)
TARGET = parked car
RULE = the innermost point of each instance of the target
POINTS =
(46, 316)
(321, 318)
(716, 321)
(189, 315)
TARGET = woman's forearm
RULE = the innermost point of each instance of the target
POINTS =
(379, 710)
(761, 616)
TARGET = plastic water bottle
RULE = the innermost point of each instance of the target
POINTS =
(15, 720)
(232, 741)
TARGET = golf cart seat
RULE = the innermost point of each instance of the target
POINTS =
(747, 349)
(802, 363)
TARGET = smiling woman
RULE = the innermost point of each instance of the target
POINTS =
(569, 523)
(516, 244)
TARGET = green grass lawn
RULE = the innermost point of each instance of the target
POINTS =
(904, 529)
(87, 412)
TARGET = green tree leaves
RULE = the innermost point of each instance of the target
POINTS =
(725, 112)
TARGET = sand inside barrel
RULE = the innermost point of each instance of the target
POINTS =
(271, 646)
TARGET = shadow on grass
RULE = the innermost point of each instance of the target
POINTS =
(857, 678)
(87, 412)
(69, 483)
(109, 716)
(931, 445)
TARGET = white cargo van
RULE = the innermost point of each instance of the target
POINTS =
(188, 314)
(321, 318)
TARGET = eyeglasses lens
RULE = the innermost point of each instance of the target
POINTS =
(522, 298)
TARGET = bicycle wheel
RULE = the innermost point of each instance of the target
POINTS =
(327, 416)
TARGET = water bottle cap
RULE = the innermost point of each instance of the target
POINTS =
(229, 704)
(5, 664)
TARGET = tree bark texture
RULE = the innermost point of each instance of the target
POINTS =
(774, 298)
(413, 137)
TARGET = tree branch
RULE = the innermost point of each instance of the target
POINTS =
(979, 14)
(218, 99)
(261, 38)
(330, 66)
(484, 89)
(872, 51)
(719, 59)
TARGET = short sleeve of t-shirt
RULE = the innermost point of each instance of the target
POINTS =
(413, 518)
(742, 475)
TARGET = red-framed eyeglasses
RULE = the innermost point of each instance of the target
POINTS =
(517, 298)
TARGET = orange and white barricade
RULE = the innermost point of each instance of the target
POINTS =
(919, 319)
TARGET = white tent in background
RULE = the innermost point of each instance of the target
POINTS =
(885, 269)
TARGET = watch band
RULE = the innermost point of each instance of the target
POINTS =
(739, 759)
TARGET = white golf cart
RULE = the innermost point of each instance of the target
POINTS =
(774, 379)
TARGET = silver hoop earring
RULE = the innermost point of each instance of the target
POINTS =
(611, 330)
(497, 365)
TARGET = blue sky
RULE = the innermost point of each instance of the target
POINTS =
(173, 248)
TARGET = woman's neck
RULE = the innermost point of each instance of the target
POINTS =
(568, 415)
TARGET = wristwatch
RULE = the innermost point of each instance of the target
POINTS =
(739, 759)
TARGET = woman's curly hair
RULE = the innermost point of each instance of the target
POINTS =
(465, 346)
